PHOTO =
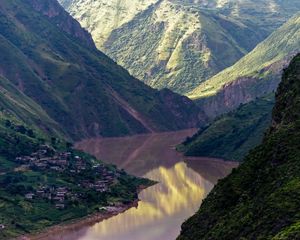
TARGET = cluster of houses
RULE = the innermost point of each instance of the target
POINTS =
(57, 195)
(47, 158)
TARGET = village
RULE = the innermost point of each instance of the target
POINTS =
(99, 177)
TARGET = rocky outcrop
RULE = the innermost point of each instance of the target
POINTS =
(53, 10)
(244, 90)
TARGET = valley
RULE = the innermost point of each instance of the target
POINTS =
(149, 119)
(182, 184)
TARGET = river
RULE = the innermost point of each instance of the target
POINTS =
(183, 184)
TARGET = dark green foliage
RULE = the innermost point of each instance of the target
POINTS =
(233, 135)
(260, 199)
(21, 216)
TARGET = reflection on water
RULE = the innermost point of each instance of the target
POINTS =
(161, 210)
(163, 207)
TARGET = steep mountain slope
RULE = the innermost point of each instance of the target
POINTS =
(231, 136)
(53, 61)
(260, 199)
(179, 44)
(14, 104)
(102, 17)
(254, 75)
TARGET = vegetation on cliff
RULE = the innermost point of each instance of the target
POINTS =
(260, 199)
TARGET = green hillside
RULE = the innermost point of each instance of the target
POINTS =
(260, 199)
(42, 181)
(233, 135)
(179, 44)
(263, 63)
(53, 61)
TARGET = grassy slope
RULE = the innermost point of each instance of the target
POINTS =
(72, 81)
(280, 44)
(179, 44)
(233, 135)
(260, 199)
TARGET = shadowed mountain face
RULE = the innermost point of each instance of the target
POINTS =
(260, 199)
(179, 44)
(54, 63)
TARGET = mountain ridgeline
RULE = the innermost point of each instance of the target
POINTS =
(260, 199)
(179, 44)
(48, 60)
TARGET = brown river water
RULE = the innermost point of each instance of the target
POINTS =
(183, 184)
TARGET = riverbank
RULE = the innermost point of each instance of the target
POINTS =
(80, 223)
(86, 221)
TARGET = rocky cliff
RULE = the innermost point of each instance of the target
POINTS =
(243, 90)
(255, 75)
(54, 11)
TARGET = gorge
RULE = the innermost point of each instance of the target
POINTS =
(97, 142)
(182, 185)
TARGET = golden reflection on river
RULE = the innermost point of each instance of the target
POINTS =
(183, 184)
(161, 210)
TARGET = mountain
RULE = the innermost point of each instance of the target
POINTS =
(179, 44)
(54, 62)
(255, 75)
(260, 199)
(231, 136)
